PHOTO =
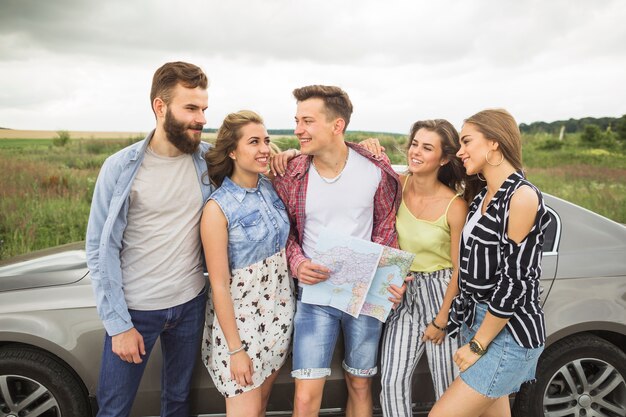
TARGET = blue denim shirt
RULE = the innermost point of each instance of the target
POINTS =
(258, 225)
(107, 222)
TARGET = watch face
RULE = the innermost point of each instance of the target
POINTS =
(475, 348)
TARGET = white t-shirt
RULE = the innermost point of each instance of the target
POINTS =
(345, 205)
(472, 222)
(161, 255)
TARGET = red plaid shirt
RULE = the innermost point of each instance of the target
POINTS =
(292, 186)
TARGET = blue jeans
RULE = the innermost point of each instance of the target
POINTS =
(316, 329)
(180, 329)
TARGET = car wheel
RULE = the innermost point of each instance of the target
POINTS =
(582, 375)
(33, 383)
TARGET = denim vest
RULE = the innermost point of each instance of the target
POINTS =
(258, 225)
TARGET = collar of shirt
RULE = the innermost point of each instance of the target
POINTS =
(302, 164)
(512, 179)
(240, 192)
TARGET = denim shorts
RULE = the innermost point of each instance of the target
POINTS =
(316, 329)
(506, 365)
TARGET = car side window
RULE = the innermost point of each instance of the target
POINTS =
(553, 232)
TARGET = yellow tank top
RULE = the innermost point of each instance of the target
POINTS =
(429, 241)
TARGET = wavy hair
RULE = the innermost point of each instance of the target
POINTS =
(219, 163)
(453, 173)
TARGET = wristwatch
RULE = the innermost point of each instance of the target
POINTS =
(476, 347)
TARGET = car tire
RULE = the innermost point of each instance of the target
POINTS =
(34, 383)
(582, 375)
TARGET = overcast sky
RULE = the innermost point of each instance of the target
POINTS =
(88, 65)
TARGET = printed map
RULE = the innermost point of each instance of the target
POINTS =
(361, 272)
(392, 268)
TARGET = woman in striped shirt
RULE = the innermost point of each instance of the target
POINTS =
(498, 310)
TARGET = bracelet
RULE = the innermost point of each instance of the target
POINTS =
(239, 349)
(443, 329)
(296, 153)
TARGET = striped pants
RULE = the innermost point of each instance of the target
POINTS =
(403, 347)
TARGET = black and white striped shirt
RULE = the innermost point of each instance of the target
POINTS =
(497, 271)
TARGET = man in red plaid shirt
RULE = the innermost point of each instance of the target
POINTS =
(342, 186)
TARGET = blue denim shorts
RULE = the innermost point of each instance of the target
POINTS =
(506, 365)
(316, 329)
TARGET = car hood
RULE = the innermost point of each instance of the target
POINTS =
(590, 245)
(60, 265)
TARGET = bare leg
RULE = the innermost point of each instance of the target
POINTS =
(460, 400)
(247, 404)
(500, 408)
(266, 390)
(308, 397)
(359, 396)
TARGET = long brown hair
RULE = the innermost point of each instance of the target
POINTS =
(219, 163)
(453, 173)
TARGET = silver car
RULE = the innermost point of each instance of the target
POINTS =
(51, 337)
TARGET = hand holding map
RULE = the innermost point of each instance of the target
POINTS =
(361, 273)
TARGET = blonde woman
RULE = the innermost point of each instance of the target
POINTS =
(498, 309)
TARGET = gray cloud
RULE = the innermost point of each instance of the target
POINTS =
(71, 61)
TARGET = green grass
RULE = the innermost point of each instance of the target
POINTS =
(605, 196)
(591, 178)
(23, 143)
(45, 190)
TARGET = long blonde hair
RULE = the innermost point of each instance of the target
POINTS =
(498, 125)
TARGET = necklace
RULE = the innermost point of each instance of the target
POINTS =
(335, 179)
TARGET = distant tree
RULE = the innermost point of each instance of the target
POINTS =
(571, 125)
(594, 137)
(609, 138)
(62, 139)
(620, 128)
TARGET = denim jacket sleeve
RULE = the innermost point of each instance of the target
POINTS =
(103, 246)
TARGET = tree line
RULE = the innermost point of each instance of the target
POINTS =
(615, 124)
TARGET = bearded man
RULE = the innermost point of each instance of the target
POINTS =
(144, 250)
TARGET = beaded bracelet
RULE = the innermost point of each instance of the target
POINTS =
(443, 329)
(239, 349)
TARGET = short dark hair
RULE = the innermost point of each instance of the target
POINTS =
(173, 73)
(336, 101)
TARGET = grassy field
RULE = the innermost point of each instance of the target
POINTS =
(45, 190)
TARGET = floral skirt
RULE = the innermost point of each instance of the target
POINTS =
(264, 304)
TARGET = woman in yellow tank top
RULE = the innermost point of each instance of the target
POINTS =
(429, 223)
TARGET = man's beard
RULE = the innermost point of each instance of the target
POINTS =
(176, 133)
